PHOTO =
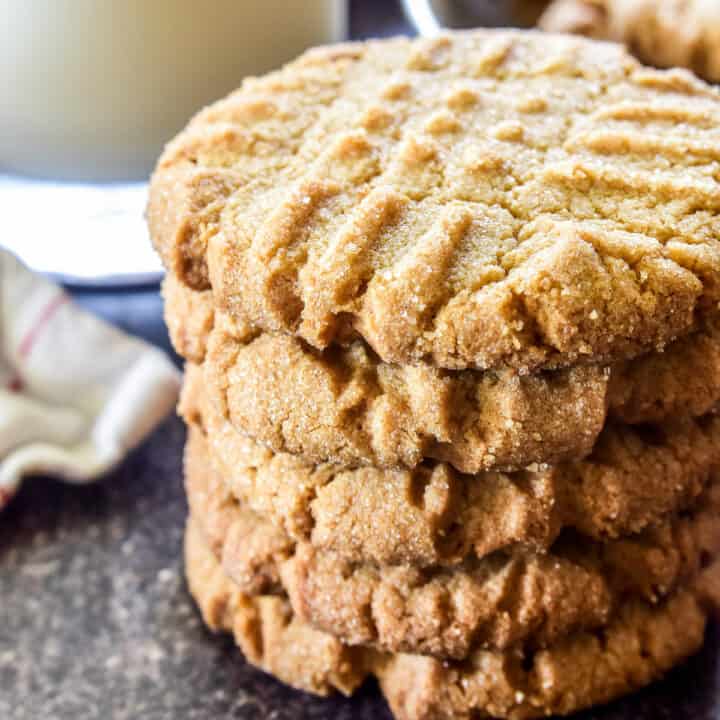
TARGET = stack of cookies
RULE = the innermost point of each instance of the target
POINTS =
(450, 310)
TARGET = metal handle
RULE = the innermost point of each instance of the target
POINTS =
(422, 15)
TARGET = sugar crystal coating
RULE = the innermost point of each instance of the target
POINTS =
(476, 200)
(433, 515)
(503, 600)
(346, 406)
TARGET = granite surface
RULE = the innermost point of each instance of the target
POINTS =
(96, 622)
(95, 619)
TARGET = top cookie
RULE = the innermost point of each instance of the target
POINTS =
(475, 200)
(665, 33)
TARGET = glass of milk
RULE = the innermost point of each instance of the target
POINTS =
(92, 89)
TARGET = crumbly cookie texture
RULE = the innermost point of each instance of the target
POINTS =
(664, 33)
(479, 199)
(347, 406)
(432, 515)
(265, 629)
(638, 647)
(499, 601)
(682, 380)
(189, 317)
(643, 642)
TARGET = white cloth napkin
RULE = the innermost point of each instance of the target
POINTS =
(75, 393)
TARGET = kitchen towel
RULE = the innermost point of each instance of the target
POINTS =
(75, 393)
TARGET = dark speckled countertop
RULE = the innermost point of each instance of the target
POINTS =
(95, 619)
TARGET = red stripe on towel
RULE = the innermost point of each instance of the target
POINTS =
(26, 345)
(15, 384)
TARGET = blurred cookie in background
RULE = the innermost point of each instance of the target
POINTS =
(664, 33)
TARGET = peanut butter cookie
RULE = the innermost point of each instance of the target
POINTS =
(664, 33)
(500, 601)
(266, 630)
(347, 406)
(481, 199)
(642, 643)
(433, 515)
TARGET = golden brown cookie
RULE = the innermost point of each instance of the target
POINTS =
(189, 317)
(266, 630)
(642, 643)
(350, 408)
(664, 33)
(347, 406)
(260, 558)
(684, 379)
(499, 601)
(639, 646)
(433, 515)
(496, 603)
(480, 199)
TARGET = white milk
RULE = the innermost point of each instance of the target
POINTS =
(94, 88)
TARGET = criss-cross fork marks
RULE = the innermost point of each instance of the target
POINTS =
(434, 515)
(496, 601)
(476, 200)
